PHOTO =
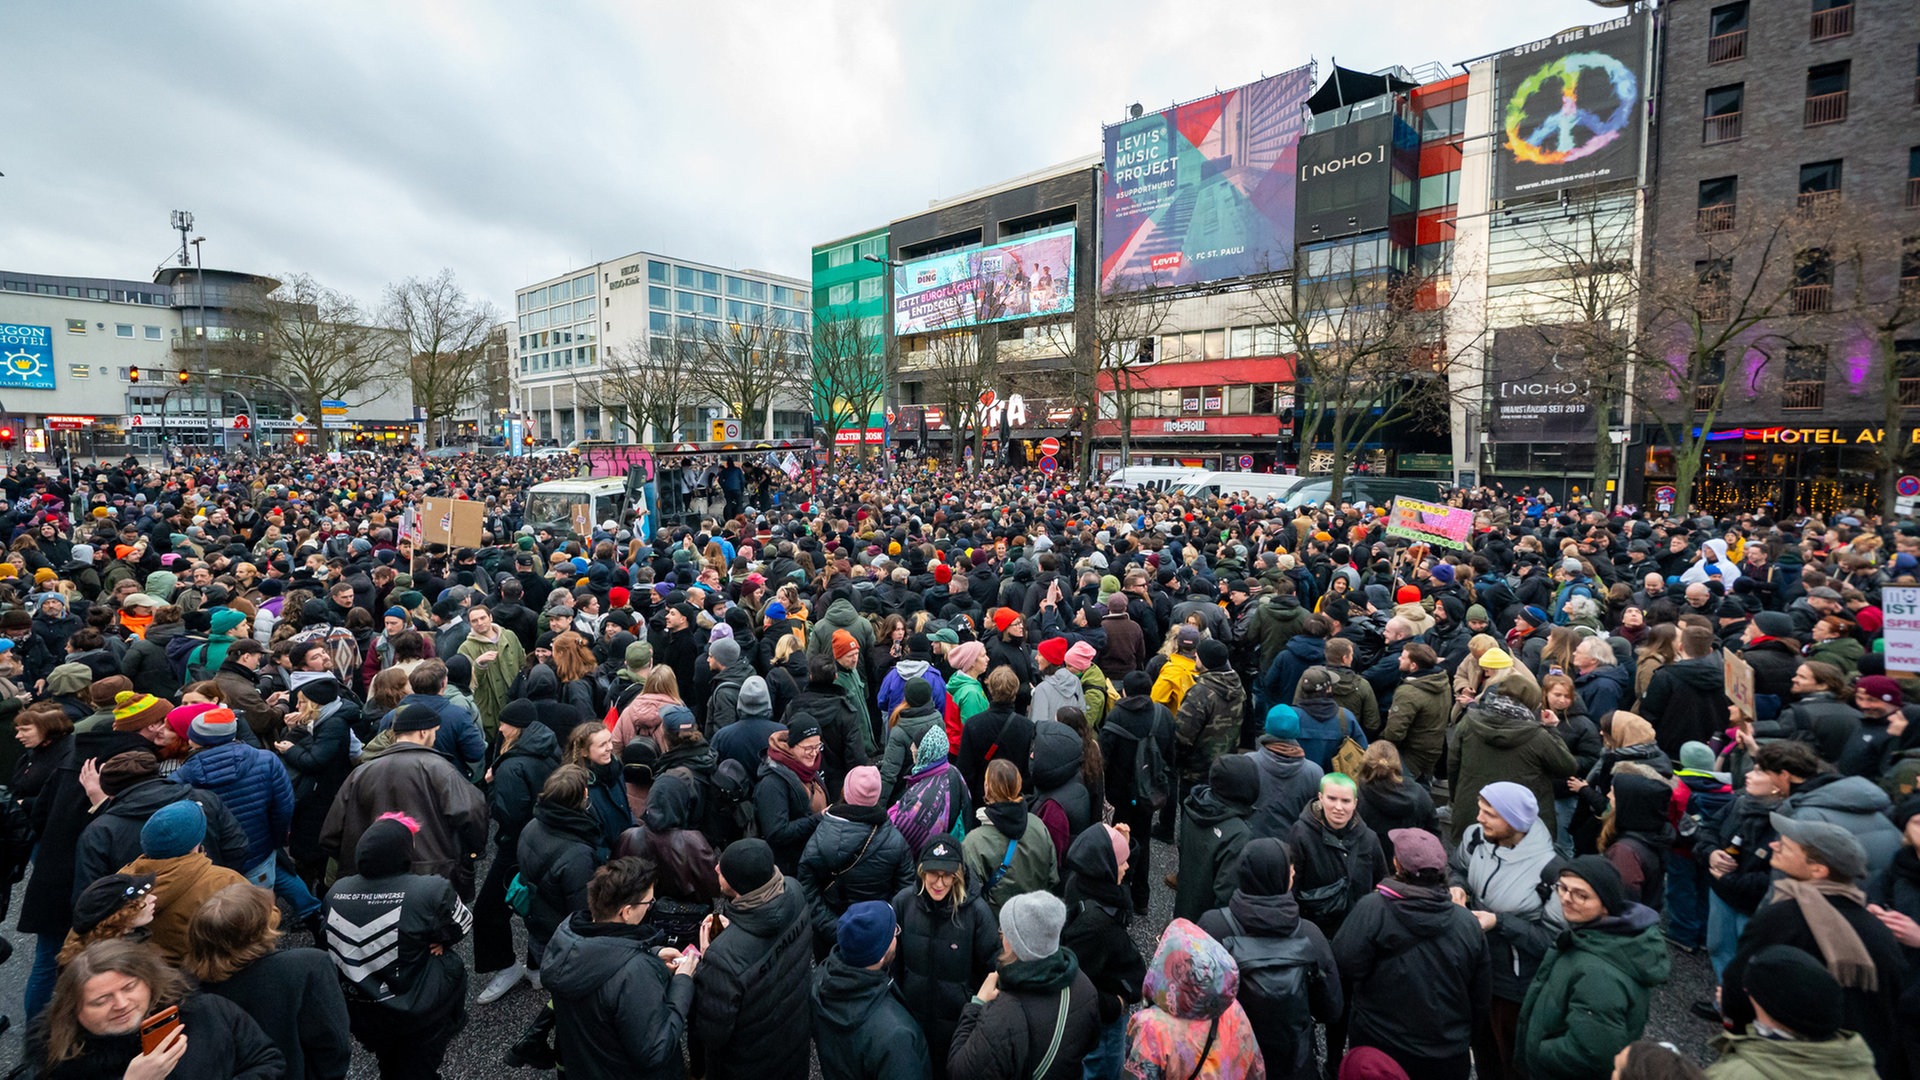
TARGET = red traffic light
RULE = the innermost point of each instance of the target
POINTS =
(300, 438)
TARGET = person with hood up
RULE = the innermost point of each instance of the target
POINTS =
(751, 1015)
(670, 831)
(1628, 740)
(1502, 873)
(557, 854)
(1288, 780)
(1414, 965)
(839, 615)
(130, 791)
(1214, 830)
(1337, 859)
(1061, 798)
(1037, 1016)
(862, 1028)
(620, 999)
(948, 945)
(391, 934)
(1713, 562)
(1637, 837)
(1324, 723)
(1099, 909)
(1010, 851)
(917, 664)
(854, 855)
(526, 755)
(1134, 718)
(908, 723)
(1194, 1026)
(1854, 803)
(1288, 975)
(1798, 1016)
(933, 801)
(1591, 995)
(1501, 739)
(1059, 686)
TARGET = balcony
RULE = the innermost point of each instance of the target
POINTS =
(1812, 299)
(1832, 23)
(1726, 48)
(1819, 203)
(1719, 129)
(1703, 396)
(1826, 108)
(1715, 305)
(1715, 219)
(1803, 395)
(1913, 192)
(1910, 393)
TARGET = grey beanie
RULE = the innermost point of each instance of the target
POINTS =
(725, 650)
(755, 700)
(1031, 923)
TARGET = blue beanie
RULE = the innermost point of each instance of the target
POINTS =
(865, 932)
(579, 564)
(397, 612)
(775, 611)
(174, 830)
(1283, 722)
(1535, 614)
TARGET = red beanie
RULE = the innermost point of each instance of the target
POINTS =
(1003, 618)
(942, 573)
(617, 596)
(1408, 594)
(1054, 651)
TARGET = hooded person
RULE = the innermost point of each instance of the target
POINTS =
(916, 713)
(1288, 780)
(1059, 687)
(1060, 794)
(1337, 859)
(1500, 738)
(1638, 838)
(1014, 1028)
(1287, 971)
(1214, 830)
(1099, 909)
(1592, 993)
(1194, 1027)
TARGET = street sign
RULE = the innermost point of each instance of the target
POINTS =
(300, 419)
(1908, 486)
(1246, 461)
(1047, 465)
(69, 423)
(1049, 446)
(890, 416)
(1664, 495)
(727, 429)
(241, 423)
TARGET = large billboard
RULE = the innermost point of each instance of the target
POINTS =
(26, 357)
(1541, 392)
(1572, 109)
(1014, 280)
(1346, 179)
(1204, 191)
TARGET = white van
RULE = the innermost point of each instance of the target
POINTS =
(1261, 486)
(1157, 477)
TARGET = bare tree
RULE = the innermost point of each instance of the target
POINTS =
(849, 376)
(644, 385)
(1887, 308)
(1369, 345)
(445, 334)
(320, 344)
(746, 365)
(957, 371)
(1107, 350)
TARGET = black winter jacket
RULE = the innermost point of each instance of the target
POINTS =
(843, 747)
(999, 734)
(519, 772)
(862, 1029)
(60, 813)
(784, 813)
(1099, 908)
(295, 997)
(226, 1045)
(1415, 970)
(750, 1005)
(558, 853)
(855, 854)
(1324, 858)
(618, 1011)
(112, 839)
(1006, 1038)
(944, 953)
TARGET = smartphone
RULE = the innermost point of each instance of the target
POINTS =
(155, 1029)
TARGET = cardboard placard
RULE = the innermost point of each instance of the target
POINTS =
(1738, 675)
(581, 514)
(453, 522)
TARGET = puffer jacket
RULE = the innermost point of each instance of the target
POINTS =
(1591, 996)
(843, 738)
(1099, 908)
(112, 839)
(1282, 678)
(1516, 885)
(945, 952)
(641, 719)
(751, 1012)
(893, 688)
(1195, 1027)
(558, 852)
(1035, 866)
(255, 788)
(854, 854)
(1501, 739)
(618, 1011)
(519, 772)
(1006, 1038)
(1854, 803)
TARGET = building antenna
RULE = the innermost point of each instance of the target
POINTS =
(183, 223)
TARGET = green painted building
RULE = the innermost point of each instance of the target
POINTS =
(849, 314)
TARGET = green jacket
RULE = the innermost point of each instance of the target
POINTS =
(1273, 622)
(1417, 720)
(1843, 653)
(1751, 1057)
(1356, 696)
(1501, 739)
(1098, 692)
(1590, 996)
(969, 699)
(1035, 866)
(492, 683)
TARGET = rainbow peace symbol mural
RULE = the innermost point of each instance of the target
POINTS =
(1572, 109)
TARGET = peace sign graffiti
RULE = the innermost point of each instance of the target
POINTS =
(1572, 131)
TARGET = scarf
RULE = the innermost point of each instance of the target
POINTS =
(760, 897)
(1847, 958)
(136, 624)
(777, 751)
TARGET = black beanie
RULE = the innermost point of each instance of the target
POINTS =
(520, 712)
(919, 692)
(1796, 990)
(636, 760)
(747, 865)
(1602, 878)
(385, 849)
(1215, 656)
(1235, 779)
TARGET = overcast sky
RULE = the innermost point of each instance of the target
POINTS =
(367, 142)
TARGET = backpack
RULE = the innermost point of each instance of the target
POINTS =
(1347, 758)
(1150, 769)
(723, 802)
(1698, 808)
(1280, 972)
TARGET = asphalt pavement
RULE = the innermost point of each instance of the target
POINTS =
(477, 1053)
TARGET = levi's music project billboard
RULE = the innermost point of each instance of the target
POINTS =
(1204, 191)
(1571, 109)
(1016, 279)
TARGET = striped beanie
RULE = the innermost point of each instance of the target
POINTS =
(133, 711)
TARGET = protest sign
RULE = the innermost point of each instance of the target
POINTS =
(1738, 675)
(1430, 523)
(1901, 606)
(453, 522)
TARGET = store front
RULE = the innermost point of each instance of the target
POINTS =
(1815, 470)
(1222, 443)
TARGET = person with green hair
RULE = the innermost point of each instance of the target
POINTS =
(1337, 858)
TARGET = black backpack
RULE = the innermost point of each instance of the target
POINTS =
(726, 797)
(1276, 977)
(1150, 770)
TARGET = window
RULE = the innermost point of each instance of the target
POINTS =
(1820, 186)
(683, 301)
(96, 294)
(1722, 113)
(1913, 178)
(838, 295)
(873, 245)
(657, 272)
(782, 294)
(1713, 282)
(1812, 282)
(658, 297)
(1727, 33)
(685, 276)
(1440, 189)
(124, 329)
(76, 326)
(872, 289)
(1805, 382)
(1239, 400)
(659, 322)
(1910, 263)
(1831, 19)
(152, 332)
(1216, 345)
(16, 286)
(1443, 121)
(1827, 86)
(872, 328)
(583, 285)
(1719, 200)
(710, 305)
(839, 256)
(1240, 342)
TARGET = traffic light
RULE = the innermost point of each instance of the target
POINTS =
(133, 374)
(300, 438)
(183, 376)
(6, 438)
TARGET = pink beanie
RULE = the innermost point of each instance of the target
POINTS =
(1080, 657)
(862, 787)
(179, 719)
(964, 655)
(1120, 846)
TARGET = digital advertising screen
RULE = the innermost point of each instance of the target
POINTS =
(1017, 279)
(1571, 109)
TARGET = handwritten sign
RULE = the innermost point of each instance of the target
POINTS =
(1738, 675)
(1430, 523)
(1901, 606)
(581, 515)
(453, 522)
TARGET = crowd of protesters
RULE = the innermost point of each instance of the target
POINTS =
(868, 773)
